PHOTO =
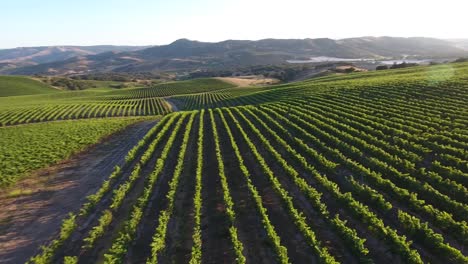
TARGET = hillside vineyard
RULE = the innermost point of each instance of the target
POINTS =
(100, 103)
(362, 168)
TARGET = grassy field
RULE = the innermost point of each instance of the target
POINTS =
(358, 168)
(15, 85)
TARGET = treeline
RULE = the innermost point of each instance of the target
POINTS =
(396, 66)
(115, 80)
(69, 84)
(117, 77)
(406, 64)
(285, 72)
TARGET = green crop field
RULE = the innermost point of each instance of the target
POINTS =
(100, 102)
(30, 147)
(14, 85)
(172, 88)
(357, 168)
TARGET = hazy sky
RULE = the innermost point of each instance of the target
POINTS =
(152, 22)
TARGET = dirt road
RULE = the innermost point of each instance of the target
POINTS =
(171, 104)
(29, 220)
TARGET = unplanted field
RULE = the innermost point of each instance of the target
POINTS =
(246, 81)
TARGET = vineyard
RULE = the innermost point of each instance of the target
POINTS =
(83, 110)
(49, 143)
(359, 168)
(96, 103)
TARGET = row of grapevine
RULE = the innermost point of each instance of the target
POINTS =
(311, 157)
(227, 198)
(315, 197)
(397, 186)
(375, 224)
(169, 89)
(281, 251)
(54, 112)
(197, 199)
(299, 220)
(119, 191)
(346, 161)
(384, 205)
(159, 237)
(379, 148)
(126, 235)
(362, 168)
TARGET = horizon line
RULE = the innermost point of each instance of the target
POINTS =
(153, 45)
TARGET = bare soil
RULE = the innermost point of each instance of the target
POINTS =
(216, 240)
(171, 104)
(253, 80)
(140, 249)
(30, 218)
(257, 247)
(179, 241)
(291, 237)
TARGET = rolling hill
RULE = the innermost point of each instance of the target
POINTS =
(17, 85)
(187, 55)
(28, 56)
(357, 168)
(460, 43)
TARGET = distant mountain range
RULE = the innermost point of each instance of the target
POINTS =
(460, 43)
(30, 56)
(187, 55)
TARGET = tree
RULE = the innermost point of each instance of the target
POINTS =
(381, 67)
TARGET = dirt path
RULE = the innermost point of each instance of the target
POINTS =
(171, 104)
(216, 242)
(179, 240)
(29, 220)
